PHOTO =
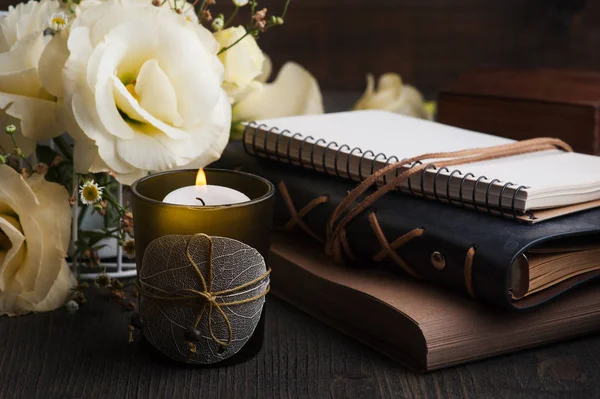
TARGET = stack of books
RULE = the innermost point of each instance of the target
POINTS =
(454, 264)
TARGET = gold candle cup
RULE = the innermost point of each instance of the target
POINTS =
(249, 222)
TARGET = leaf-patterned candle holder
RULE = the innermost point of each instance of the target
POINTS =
(201, 297)
(247, 223)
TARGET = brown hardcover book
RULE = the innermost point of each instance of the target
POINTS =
(525, 103)
(414, 323)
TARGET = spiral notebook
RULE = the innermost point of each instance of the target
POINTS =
(353, 145)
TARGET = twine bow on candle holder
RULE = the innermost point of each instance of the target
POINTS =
(209, 300)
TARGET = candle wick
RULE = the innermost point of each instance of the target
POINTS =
(201, 200)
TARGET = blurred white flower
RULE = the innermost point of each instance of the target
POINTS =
(392, 95)
(189, 11)
(23, 100)
(141, 88)
(294, 92)
(243, 62)
(240, 3)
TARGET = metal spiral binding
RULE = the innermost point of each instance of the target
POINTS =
(301, 150)
(435, 194)
(312, 155)
(249, 143)
(360, 162)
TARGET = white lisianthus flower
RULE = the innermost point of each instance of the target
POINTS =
(294, 92)
(35, 221)
(243, 62)
(393, 95)
(141, 87)
(23, 100)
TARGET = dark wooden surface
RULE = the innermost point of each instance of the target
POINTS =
(56, 355)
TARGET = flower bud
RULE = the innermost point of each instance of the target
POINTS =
(117, 284)
(218, 24)
(240, 3)
(72, 307)
(156, 3)
(10, 129)
(41, 168)
(279, 21)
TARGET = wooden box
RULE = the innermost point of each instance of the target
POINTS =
(526, 103)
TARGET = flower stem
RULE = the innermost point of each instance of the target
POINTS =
(252, 8)
(233, 14)
(81, 215)
(19, 154)
(236, 42)
(109, 197)
(285, 8)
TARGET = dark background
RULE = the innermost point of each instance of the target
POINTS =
(430, 42)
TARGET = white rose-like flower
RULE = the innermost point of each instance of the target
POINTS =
(141, 87)
(394, 96)
(35, 222)
(243, 62)
(23, 100)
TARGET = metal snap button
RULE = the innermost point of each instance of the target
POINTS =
(438, 260)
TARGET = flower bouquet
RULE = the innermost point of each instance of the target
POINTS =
(95, 94)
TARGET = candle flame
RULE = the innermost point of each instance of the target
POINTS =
(201, 178)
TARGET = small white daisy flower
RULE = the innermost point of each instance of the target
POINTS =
(58, 21)
(90, 193)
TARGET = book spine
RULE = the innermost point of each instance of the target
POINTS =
(440, 191)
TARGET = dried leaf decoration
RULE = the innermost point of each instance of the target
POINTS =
(167, 272)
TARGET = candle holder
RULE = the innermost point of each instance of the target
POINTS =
(247, 222)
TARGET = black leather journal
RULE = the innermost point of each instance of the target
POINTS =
(497, 261)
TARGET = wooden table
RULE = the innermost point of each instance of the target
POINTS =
(57, 355)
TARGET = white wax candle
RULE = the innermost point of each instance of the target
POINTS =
(210, 195)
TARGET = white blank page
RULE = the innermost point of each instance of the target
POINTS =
(555, 178)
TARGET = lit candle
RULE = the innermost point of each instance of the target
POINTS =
(203, 194)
